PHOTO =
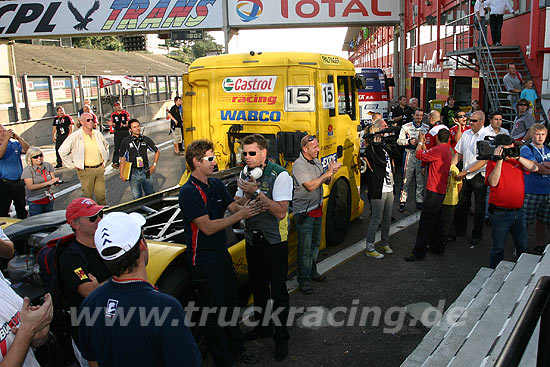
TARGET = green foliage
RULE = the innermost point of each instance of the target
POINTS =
(200, 48)
(110, 43)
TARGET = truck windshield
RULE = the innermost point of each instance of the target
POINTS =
(373, 81)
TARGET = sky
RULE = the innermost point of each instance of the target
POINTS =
(318, 40)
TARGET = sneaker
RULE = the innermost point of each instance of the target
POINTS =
(247, 358)
(401, 207)
(475, 241)
(375, 254)
(258, 333)
(539, 250)
(114, 165)
(413, 257)
(281, 350)
(387, 249)
(319, 278)
(306, 289)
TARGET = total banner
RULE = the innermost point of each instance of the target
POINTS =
(46, 18)
(301, 13)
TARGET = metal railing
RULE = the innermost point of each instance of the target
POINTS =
(537, 307)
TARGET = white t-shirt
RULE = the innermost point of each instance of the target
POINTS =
(489, 131)
(282, 188)
(468, 148)
(10, 306)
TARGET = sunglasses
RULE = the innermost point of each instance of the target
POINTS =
(311, 138)
(88, 120)
(474, 120)
(523, 104)
(93, 218)
(209, 159)
(252, 153)
(461, 116)
(38, 156)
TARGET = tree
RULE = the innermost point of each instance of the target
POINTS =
(111, 43)
(200, 48)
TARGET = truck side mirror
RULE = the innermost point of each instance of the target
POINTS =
(358, 83)
(288, 144)
(339, 151)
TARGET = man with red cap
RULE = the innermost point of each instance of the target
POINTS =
(81, 269)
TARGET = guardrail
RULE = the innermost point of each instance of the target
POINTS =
(537, 307)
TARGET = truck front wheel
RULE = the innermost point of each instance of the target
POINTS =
(338, 213)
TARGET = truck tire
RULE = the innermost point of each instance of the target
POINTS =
(176, 281)
(338, 213)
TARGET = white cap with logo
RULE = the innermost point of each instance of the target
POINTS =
(117, 231)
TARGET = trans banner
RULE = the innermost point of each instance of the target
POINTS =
(47, 18)
(262, 13)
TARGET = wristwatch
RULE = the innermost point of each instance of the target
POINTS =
(154, 164)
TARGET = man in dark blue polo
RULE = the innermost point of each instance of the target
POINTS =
(11, 168)
(203, 202)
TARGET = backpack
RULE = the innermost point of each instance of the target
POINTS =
(48, 260)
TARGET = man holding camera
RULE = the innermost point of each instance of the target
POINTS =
(506, 178)
(309, 176)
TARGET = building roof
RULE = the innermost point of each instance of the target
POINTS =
(50, 60)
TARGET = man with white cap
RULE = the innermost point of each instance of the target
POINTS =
(123, 334)
(81, 269)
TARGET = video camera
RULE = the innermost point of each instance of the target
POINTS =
(486, 148)
(387, 136)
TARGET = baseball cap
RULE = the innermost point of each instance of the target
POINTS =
(117, 103)
(119, 232)
(82, 207)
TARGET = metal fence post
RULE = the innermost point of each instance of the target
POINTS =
(52, 97)
(26, 96)
(13, 88)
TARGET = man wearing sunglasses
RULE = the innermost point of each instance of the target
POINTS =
(266, 240)
(12, 186)
(81, 269)
(523, 122)
(87, 150)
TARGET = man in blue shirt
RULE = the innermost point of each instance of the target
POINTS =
(537, 187)
(203, 201)
(128, 330)
(11, 168)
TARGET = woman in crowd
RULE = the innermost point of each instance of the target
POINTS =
(38, 176)
(380, 157)
(475, 107)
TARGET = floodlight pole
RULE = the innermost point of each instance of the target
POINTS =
(226, 29)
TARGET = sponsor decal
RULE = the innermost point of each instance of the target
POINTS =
(331, 60)
(270, 100)
(330, 130)
(110, 310)
(262, 116)
(249, 10)
(325, 161)
(243, 84)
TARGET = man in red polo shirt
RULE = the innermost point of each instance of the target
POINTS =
(505, 176)
(430, 228)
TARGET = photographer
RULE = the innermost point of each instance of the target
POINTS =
(381, 157)
(505, 176)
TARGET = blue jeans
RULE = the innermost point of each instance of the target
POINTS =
(502, 223)
(309, 239)
(35, 209)
(139, 180)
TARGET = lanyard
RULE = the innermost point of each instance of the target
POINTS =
(43, 173)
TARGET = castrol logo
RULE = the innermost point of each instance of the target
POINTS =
(245, 84)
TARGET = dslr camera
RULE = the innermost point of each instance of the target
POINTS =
(486, 148)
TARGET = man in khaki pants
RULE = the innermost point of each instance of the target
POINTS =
(87, 151)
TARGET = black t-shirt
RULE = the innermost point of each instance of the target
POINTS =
(120, 120)
(203, 249)
(62, 124)
(447, 114)
(74, 270)
(175, 112)
(132, 147)
(407, 113)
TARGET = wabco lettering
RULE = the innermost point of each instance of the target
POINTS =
(255, 99)
(259, 84)
(262, 116)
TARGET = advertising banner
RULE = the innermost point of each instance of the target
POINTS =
(302, 13)
(47, 18)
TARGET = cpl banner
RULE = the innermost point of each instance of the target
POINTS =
(47, 18)
(300, 13)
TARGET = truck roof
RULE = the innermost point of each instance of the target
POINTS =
(319, 61)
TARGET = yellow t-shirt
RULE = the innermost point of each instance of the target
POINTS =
(451, 198)
(92, 156)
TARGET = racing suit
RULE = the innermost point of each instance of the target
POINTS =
(411, 165)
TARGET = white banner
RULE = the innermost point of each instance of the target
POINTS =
(299, 13)
(46, 18)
